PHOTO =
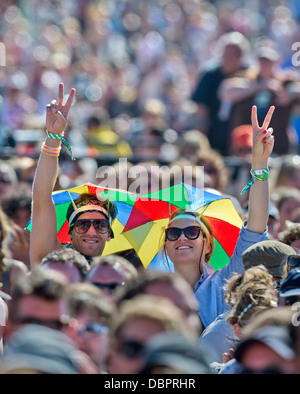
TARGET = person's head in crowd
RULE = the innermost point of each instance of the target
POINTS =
(69, 263)
(289, 291)
(132, 257)
(17, 206)
(5, 231)
(287, 202)
(39, 298)
(191, 142)
(188, 241)
(255, 294)
(233, 46)
(166, 285)
(138, 320)
(16, 239)
(36, 349)
(93, 313)
(110, 273)
(273, 222)
(215, 171)
(90, 224)
(296, 216)
(173, 353)
(268, 345)
(268, 58)
(273, 254)
(242, 141)
(288, 172)
(10, 269)
(154, 114)
(8, 178)
(291, 236)
(269, 351)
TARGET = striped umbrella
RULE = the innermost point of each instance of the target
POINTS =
(151, 213)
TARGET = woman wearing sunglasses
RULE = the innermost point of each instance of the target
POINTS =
(189, 239)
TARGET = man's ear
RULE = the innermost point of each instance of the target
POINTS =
(108, 236)
(70, 234)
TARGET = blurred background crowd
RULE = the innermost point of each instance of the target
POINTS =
(158, 82)
(162, 83)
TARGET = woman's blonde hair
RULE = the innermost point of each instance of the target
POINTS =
(254, 294)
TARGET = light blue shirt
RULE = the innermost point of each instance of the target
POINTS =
(219, 337)
(209, 290)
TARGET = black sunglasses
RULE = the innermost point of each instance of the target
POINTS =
(191, 232)
(82, 226)
(131, 348)
(111, 287)
(92, 328)
(59, 324)
(293, 260)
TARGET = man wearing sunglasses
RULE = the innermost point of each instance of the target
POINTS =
(189, 239)
(39, 298)
(89, 219)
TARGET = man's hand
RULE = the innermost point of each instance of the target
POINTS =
(57, 111)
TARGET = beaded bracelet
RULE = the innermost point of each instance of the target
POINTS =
(245, 310)
(260, 175)
(61, 138)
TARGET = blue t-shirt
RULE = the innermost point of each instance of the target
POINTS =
(209, 291)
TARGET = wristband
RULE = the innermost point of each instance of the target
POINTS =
(50, 151)
(61, 138)
(260, 175)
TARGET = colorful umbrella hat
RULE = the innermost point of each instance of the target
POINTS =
(123, 200)
(151, 213)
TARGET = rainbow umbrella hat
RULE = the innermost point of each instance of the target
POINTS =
(124, 202)
(151, 213)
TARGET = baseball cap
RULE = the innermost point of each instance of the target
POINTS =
(176, 351)
(276, 338)
(41, 349)
(269, 53)
(272, 254)
(242, 137)
(290, 286)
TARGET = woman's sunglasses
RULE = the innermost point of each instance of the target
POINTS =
(191, 232)
(82, 226)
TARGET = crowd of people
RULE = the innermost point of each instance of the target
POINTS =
(179, 83)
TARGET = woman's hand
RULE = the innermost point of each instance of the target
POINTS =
(57, 111)
(263, 140)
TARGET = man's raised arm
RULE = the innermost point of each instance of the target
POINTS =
(43, 237)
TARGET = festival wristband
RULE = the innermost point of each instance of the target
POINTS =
(50, 151)
(260, 175)
(61, 138)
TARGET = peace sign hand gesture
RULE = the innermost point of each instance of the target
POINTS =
(57, 111)
(263, 140)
